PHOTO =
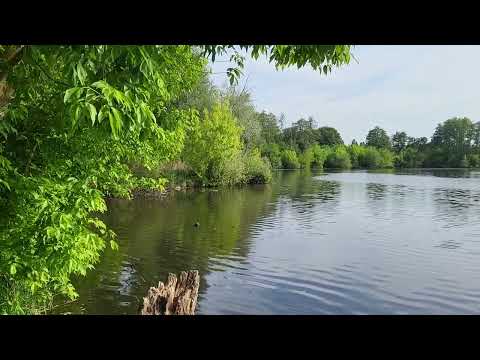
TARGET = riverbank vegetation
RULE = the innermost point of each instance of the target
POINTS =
(80, 123)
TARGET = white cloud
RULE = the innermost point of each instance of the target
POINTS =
(409, 88)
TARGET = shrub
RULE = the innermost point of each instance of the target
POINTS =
(319, 155)
(274, 155)
(338, 159)
(356, 152)
(474, 160)
(213, 145)
(228, 172)
(257, 169)
(386, 159)
(289, 159)
(306, 158)
(370, 158)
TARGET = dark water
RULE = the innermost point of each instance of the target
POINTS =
(310, 243)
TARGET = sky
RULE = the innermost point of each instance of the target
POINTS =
(397, 87)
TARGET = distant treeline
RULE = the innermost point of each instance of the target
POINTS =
(263, 137)
(455, 143)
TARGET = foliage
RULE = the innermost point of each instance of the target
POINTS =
(399, 141)
(212, 142)
(244, 112)
(258, 169)
(319, 57)
(301, 135)
(270, 130)
(409, 158)
(306, 158)
(273, 152)
(338, 158)
(73, 121)
(474, 160)
(328, 136)
(456, 137)
(78, 117)
(319, 155)
(290, 159)
(377, 137)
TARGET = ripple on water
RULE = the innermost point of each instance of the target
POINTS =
(341, 243)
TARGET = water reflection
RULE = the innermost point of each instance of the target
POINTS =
(357, 242)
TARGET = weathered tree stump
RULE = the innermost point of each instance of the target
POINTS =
(176, 297)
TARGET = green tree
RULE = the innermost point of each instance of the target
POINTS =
(338, 158)
(321, 58)
(328, 136)
(290, 159)
(399, 141)
(274, 154)
(270, 130)
(301, 135)
(74, 120)
(244, 112)
(212, 143)
(377, 137)
(455, 137)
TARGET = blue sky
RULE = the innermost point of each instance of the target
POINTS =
(405, 88)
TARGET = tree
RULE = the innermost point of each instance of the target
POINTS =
(76, 117)
(378, 138)
(328, 136)
(244, 112)
(338, 158)
(73, 118)
(455, 137)
(301, 135)
(319, 57)
(270, 130)
(290, 159)
(212, 144)
(399, 141)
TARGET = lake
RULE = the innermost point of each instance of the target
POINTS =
(312, 242)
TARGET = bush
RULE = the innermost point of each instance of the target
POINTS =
(306, 158)
(274, 155)
(319, 155)
(474, 160)
(257, 169)
(409, 158)
(289, 159)
(356, 152)
(214, 145)
(386, 159)
(338, 159)
(228, 172)
(370, 158)
(464, 162)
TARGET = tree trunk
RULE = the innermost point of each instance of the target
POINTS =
(176, 297)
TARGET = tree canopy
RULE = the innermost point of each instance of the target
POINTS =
(377, 137)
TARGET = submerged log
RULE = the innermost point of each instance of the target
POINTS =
(177, 297)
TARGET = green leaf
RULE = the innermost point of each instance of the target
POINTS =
(69, 93)
(103, 113)
(78, 112)
(113, 245)
(118, 117)
(93, 112)
(100, 84)
(113, 126)
(13, 269)
(81, 73)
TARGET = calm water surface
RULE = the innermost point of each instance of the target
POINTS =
(309, 243)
